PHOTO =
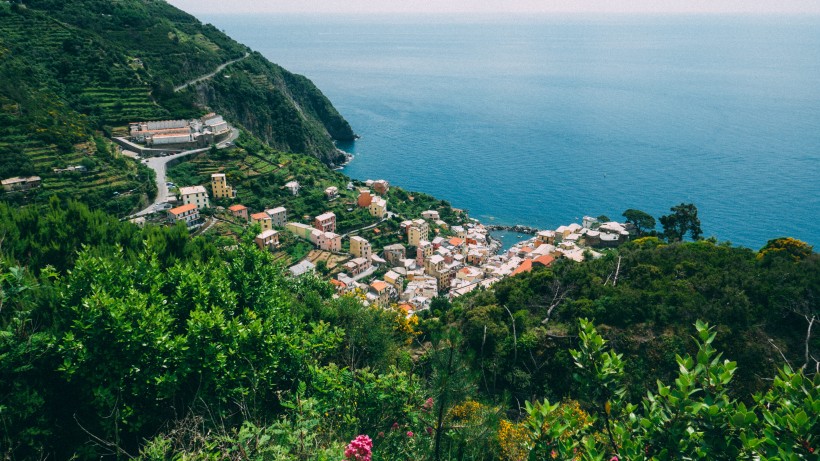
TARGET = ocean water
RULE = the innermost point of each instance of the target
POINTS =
(542, 120)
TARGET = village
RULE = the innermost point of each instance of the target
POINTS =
(430, 258)
(413, 259)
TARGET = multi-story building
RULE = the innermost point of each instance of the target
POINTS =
(381, 293)
(330, 241)
(278, 215)
(189, 214)
(378, 207)
(196, 195)
(395, 279)
(220, 187)
(417, 230)
(360, 247)
(300, 230)
(325, 222)
(356, 266)
(365, 198)
(393, 254)
(268, 239)
(265, 222)
(332, 192)
(424, 250)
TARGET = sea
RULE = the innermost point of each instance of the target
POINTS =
(541, 120)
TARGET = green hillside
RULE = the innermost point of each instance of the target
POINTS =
(73, 70)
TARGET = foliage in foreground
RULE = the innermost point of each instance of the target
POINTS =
(118, 342)
(693, 418)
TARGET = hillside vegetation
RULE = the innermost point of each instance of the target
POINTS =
(74, 70)
(120, 342)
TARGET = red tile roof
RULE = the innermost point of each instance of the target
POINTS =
(525, 266)
(455, 241)
(544, 260)
(260, 216)
(182, 209)
(237, 207)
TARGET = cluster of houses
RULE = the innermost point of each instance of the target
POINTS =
(430, 265)
(199, 132)
(465, 261)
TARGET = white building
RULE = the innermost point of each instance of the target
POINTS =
(432, 215)
(293, 187)
(196, 195)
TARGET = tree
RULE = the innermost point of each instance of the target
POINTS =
(788, 247)
(683, 220)
(642, 221)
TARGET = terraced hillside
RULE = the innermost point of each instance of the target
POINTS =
(72, 70)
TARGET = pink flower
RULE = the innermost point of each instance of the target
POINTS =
(428, 404)
(359, 449)
(395, 425)
(409, 433)
(614, 458)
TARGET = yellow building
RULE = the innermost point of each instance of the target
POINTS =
(265, 222)
(378, 207)
(360, 247)
(417, 231)
(267, 239)
(220, 187)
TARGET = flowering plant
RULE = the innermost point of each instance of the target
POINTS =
(359, 449)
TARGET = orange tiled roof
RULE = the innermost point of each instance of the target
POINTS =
(455, 241)
(525, 266)
(338, 283)
(260, 216)
(182, 209)
(237, 207)
(378, 285)
(545, 260)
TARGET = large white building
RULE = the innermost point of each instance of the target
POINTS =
(196, 195)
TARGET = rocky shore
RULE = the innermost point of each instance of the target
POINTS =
(521, 229)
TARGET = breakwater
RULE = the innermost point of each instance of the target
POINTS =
(521, 229)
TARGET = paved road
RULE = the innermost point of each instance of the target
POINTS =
(159, 164)
(206, 77)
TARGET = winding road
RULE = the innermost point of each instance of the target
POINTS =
(207, 76)
(159, 164)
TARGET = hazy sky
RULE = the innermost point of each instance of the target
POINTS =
(494, 6)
